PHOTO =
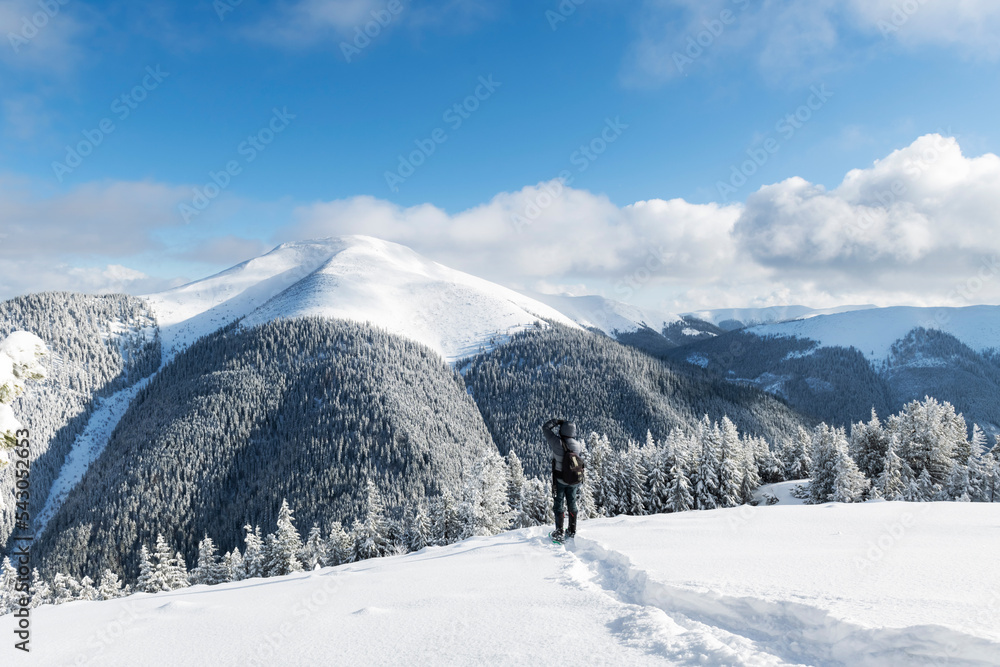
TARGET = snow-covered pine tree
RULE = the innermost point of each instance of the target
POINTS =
(111, 586)
(770, 468)
(370, 535)
(515, 489)
(680, 498)
(64, 588)
(730, 464)
(339, 545)
(148, 581)
(538, 502)
(285, 545)
(486, 510)
(178, 572)
(253, 553)
(926, 489)
(869, 443)
(233, 561)
(635, 480)
(891, 483)
(658, 481)
(41, 592)
(419, 530)
(585, 506)
(706, 479)
(314, 550)
(210, 570)
(849, 483)
(799, 463)
(601, 484)
(823, 455)
(87, 590)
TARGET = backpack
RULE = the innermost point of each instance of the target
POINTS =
(572, 468)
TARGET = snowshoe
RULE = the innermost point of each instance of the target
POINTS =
(557, 538)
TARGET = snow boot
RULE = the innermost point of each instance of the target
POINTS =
(571, 532)
(558, 532)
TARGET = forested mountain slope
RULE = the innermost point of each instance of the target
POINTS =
(304, 409)
(99, 345)
(605, 387)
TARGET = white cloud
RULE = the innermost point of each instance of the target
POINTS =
(36, 38)
(306, 23)
(972, 27)
(792, 40)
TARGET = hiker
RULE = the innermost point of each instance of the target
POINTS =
(561, 436)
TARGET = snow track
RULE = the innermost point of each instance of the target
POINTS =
(695, 627)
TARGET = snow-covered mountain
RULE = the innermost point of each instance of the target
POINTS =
(860, 585)
(874, 331)
(355, 278)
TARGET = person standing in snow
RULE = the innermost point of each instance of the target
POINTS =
(561, 436)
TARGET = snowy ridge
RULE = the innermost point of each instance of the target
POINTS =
(356, 278)
(874, 331)
(828, 584)
(607, 315)
(768, 315)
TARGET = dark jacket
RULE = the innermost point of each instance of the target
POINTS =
(555, 443)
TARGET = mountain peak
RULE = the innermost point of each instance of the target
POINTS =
(357, 278)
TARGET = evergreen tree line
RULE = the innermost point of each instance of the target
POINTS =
(923, 453)
(709, 467)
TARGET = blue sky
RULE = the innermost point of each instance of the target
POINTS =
(560, 75)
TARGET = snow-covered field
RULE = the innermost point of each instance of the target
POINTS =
(869, 584)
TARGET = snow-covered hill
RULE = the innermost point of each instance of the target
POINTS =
(875, 584)
(355, 278)
(873, 331)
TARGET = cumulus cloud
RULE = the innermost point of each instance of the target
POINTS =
(921, 220)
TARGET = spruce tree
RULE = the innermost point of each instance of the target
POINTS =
(680, 498)
(891, 484)
(41, 592)
(254, 564)
(111, 586)
(706, 481)
(370, 535)
(210, 570)
(314, 550)
(339, 545)
(285, 545)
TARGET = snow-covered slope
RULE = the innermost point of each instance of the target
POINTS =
(878, 584)
(753, 316)
(607, 315)
(874, 331)
(356, 278)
